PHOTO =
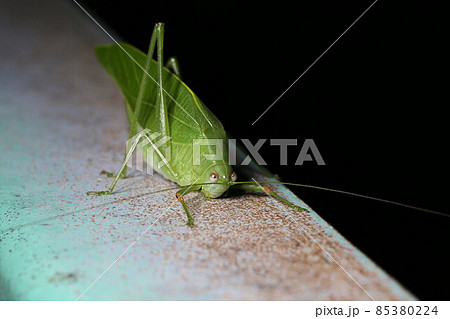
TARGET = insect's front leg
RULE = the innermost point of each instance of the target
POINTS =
(179, 195)
(266, 189)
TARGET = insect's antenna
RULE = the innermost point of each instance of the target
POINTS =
(10, 229)
(348, 193)
(3, 232)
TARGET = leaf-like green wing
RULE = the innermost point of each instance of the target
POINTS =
(125, 65)
(186, 112)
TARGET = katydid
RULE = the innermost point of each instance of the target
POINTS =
(158, 101)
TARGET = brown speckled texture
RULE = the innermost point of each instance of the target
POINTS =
(248, 247)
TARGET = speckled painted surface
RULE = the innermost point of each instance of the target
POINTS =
(61, 122)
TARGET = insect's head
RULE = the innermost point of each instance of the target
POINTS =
(219, 177)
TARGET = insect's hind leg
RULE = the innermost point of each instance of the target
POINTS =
(158, 33)
(266, 189)
(173, 65)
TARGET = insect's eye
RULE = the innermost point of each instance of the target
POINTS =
(213, 177)
(234, 177)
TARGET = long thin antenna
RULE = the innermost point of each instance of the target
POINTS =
(351, 194)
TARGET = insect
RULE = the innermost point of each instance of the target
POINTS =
(159, 104)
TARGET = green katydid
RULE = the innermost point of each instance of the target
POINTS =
(157, 100)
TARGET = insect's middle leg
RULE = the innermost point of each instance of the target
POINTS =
(123, 168)
(123, 173)
(114, 175)
(266, 189)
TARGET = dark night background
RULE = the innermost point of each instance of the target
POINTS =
(374, 105)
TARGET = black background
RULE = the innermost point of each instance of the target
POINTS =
(374, 104)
